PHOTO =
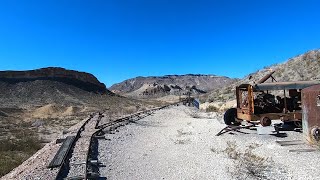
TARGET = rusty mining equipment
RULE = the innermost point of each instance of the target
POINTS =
(311, 114)
(262, 102)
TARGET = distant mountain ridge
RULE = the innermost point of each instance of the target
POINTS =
(158, 86)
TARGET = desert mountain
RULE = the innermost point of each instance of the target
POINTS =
(81, 80)
(49, 86)
(300, 68)
(158, 86)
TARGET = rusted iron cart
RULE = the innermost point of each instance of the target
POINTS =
(259, 104)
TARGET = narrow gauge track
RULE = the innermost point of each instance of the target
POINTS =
(81, 160)
(74, 164)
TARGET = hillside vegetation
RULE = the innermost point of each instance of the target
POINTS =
(300, 68)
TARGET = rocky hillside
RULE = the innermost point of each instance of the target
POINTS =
(300, 68)
(145, 87)
(55, 98)
(37, 106)
(82, 80)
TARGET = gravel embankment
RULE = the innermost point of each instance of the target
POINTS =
(172, 145)
(36, 166)
(77, 164)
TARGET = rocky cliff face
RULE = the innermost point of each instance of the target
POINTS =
(82, 80)
(170, 85)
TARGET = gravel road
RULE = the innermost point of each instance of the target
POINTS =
(171, 144)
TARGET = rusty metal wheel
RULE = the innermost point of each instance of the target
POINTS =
(229, 116)
(315, 132)
(265, 121)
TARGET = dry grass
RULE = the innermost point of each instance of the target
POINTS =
(14, 151)
(211, 108)
(183, 133)
(248, 165)
(182, 141)
(194, 114)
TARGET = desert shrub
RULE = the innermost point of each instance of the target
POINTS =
(248, 165)
(212, 109)
(14, 151)
(129, 110)
(183, 133)
(194, 114)
(142, 108)
(182, 141)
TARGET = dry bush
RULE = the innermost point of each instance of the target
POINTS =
(142, 108)
(14, 151)
(129, 110)
(211, 108)
(183, 133)
(194, 114)
(182, 141)
(248, 165)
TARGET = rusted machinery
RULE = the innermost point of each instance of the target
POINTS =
(256, 103)
(311, 114)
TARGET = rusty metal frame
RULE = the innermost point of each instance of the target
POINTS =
(292, 116)
(247, 113)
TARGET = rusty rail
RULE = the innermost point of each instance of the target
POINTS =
(91, 175)
(62, 169)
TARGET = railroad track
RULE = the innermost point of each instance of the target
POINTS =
(73, 165)
(79, 160)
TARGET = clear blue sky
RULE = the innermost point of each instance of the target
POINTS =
(118, 39)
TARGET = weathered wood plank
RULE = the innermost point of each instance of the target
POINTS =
(302, 150)
(62, 152)
(290, 143)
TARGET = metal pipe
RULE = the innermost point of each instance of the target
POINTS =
(285, 102)
(266, 77)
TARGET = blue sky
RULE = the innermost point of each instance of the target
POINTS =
(120, 39)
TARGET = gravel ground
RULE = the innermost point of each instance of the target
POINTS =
(171, 144)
